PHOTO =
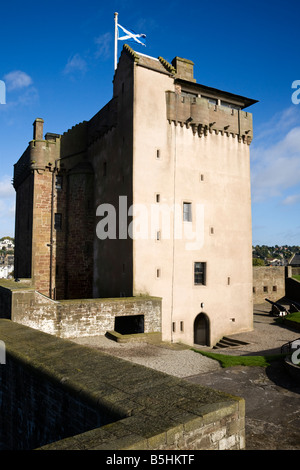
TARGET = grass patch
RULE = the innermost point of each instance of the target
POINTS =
(297, 277)
(230, 361)
(294, 317)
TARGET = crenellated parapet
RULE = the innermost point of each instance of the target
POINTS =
(204, 117)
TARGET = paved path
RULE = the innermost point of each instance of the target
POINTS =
(272, 396)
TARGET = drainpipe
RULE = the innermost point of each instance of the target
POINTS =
(51, 232)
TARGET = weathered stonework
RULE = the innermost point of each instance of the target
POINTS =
(71, 318)
(268, 282)
(70, 397)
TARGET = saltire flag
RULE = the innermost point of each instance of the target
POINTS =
(131, 36)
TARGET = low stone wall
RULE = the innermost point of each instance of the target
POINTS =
(48, 381)
(268, 282)
(70, 318)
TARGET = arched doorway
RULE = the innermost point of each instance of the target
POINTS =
(201, 330)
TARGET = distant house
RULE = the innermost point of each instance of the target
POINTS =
(5, 271)
(295, 261)
(7, 244)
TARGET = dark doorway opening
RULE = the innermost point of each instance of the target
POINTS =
(201, 330)
(130, 324)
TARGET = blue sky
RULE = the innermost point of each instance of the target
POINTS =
(57, 62)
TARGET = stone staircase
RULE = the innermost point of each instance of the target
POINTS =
(229, 342)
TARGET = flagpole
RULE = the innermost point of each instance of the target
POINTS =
(116, 39)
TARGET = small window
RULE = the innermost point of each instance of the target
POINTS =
(58, 221)
(173, 327)
(58, 182)
(265, 288)
(158, 154)
(274, 288)
(158, 235)
(187, 212)
(199, 273)
(158, 272)
(181, 326)
(157, 197)
(254, 290)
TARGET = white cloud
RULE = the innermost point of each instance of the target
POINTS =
(6, 188)
(292, 199)
(17, 80)
(75, 64)
(276, 167)
(103, 45)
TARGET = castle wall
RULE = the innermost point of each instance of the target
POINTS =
(211, 170)
(268, 282)
(63, 396)
(23, 228)
(111, 156)
(22, 304)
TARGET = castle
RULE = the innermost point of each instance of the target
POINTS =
(151, 196)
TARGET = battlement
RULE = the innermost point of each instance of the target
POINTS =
(204, 116)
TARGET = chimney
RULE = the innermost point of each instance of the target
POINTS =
(38, 129)
(184, 69)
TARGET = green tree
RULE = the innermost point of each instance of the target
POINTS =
(258, 262)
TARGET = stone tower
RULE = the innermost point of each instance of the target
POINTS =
(150, 196)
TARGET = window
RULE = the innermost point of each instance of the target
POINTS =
(58, 182)
(157, 197)
(157, 154)
(274, 288)
(157, 273)
(181, 326)
(187, 212)
(225, 104)
(210, 100)
(199, 273)
(265, 288)
(58, 221)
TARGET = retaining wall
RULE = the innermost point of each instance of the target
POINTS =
(70, 318)
(48, 382)
(268, 282)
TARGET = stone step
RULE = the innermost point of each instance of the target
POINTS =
(227, 342)
(154, 337)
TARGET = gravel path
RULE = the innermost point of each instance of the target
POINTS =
(177, 362)
(267, 337)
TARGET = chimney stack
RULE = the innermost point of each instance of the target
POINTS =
(38, 129)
